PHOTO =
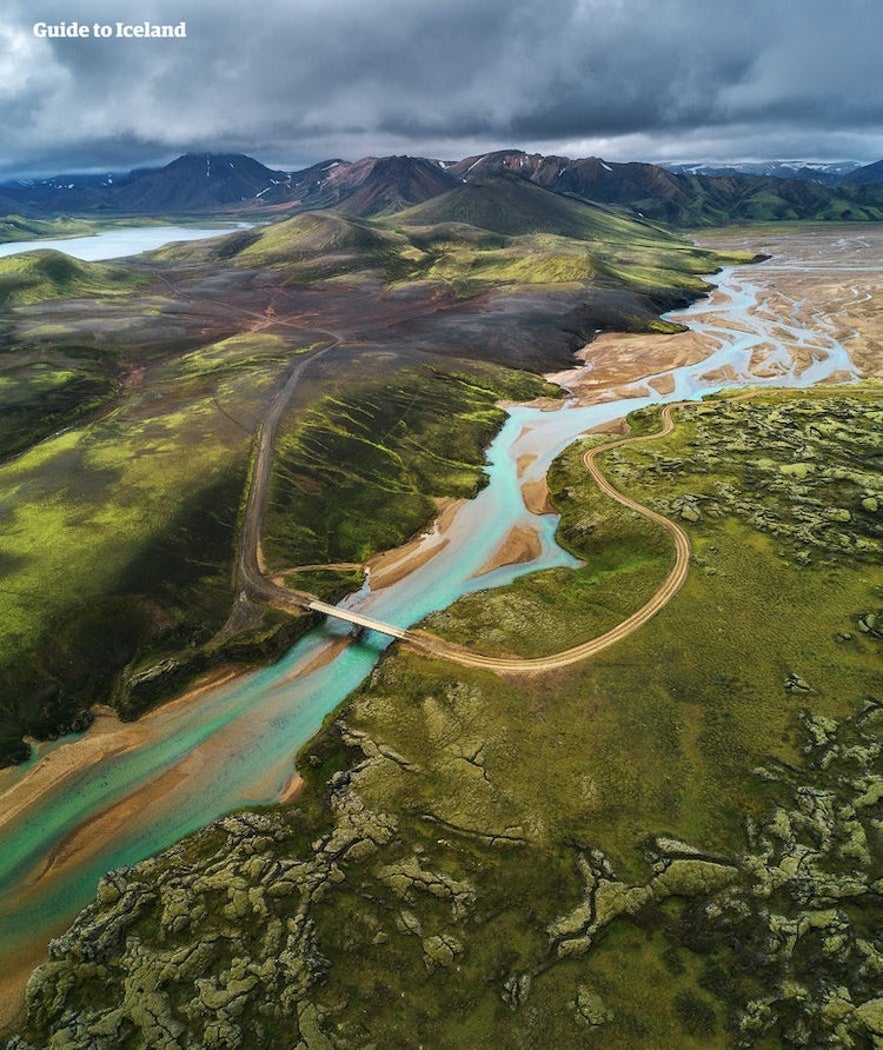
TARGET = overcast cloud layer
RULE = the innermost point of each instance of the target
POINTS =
(296, 81)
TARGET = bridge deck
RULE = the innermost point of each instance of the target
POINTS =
(357, 618)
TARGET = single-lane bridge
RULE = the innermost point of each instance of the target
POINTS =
(357, 618)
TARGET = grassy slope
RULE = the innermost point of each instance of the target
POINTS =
(48, 385)
(42, 392)
(355, 474)
(486, 235)
(34, 277)
(111, 548)
(20, 228)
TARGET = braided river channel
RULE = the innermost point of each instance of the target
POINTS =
(195, 759)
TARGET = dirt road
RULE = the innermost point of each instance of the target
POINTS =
(433, 646)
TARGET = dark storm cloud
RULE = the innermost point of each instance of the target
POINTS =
(301, 80)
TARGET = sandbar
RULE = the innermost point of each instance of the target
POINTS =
(614, 360)
(292, 789)
(107, 736)
(536, 496)
(521, 545)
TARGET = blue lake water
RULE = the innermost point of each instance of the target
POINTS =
(115, 243)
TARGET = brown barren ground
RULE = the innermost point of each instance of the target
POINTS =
(536, 496)
(521, 545)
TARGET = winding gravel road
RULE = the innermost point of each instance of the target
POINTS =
(254, 583)
(249, 576)
(433, 646)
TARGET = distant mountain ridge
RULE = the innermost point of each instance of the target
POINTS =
(371, 186)
(826, 173)
(203, 183)
(652, 192)
(193, 182)
(868, 174)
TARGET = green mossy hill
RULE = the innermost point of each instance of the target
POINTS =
(20, 228)
(124, 604)
(34, 277)
(309, 248)
(769, 203)
(512, 206)
(659, 848)
(356, 472)
(492, 233)
(639, 263)
(554, 239)
(315, 233)
(116, 561)
(322, 245)
(42, 392)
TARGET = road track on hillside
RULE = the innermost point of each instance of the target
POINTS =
(251, 580)
(249, 574)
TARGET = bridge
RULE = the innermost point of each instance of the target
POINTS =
(356, 618)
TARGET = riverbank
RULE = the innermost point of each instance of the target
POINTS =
(107, 736)
(472, 535)
(393, 566)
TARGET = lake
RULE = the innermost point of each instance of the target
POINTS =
(124, 240)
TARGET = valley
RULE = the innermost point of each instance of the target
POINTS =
(400, 362)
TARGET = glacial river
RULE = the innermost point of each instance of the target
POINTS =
(234, 746)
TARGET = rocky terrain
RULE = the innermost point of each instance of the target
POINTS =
(219, 941)
(816, 486)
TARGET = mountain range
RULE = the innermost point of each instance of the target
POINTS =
(224, 183)
(830, 173)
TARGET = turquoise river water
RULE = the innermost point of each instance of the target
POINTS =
(234, 746)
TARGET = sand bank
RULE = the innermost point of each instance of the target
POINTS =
(105, 737)
(391, 566)
(521, 545)
(613, 361)
(536, 496)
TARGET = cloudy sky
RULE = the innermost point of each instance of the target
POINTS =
(296, 81)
